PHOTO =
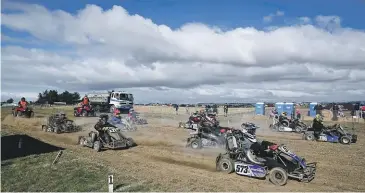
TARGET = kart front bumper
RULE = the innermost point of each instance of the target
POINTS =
(306, 175)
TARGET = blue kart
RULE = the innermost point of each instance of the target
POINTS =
(122, 123)
(335, 134)
(282, 165)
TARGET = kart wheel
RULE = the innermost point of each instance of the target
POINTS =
(298, 129)
(84, 113)
(75, 114)
(130, 142)
(81, 141)
(97, 146)
(57, 130)
(345, 140)
(196, 144)
(225, 165)
(19, 114)
(44, 128)
(278, 176)
(31, 114)
(309, 137)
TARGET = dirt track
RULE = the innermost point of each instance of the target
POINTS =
(161, 157)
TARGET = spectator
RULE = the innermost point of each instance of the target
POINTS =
(177, 109)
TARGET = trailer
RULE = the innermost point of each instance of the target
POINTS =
(111, 100)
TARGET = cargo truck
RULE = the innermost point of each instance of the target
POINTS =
(109, 101)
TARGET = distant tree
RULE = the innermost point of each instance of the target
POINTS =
(11, 100)
(52, 96)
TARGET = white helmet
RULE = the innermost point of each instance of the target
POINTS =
(249, 136)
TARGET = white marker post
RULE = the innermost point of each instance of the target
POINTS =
(110, 183)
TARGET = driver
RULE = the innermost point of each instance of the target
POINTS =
(318, 126)
(259, 147)
(23, 103)
(283, 116)
(85, 101)
(101, 127)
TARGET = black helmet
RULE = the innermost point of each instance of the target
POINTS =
(104, 117)
(22, 98)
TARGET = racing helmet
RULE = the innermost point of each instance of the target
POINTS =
(62, 114)
(22, 99)
(104, 118)
(249, 136)
(284, 114)
(319, 118)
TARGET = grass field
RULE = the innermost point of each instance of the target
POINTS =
(161, 162)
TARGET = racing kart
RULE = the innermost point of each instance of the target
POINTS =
(286, 125)
(84, 111)
(124, 124)
(193, 119)
(204, 137)
(334, 134)
(22, 112)
(97, 142)
(57, 125)
(279, 167)
(137, 120)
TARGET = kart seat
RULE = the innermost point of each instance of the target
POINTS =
(254, 159)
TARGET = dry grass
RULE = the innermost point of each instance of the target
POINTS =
(162, 163)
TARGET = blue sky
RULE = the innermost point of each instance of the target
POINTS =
(227, 14)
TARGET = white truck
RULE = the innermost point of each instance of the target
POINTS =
(110, 100)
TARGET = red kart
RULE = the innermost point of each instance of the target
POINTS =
(84, 111)
(22, 112)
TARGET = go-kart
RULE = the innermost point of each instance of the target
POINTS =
(204, 137)
(286, 125)
(22, 112)
(281, 165)
(84, 111)
(334, 134)
(60, 125)
(97, 142)
(193, 119)
(125, 124)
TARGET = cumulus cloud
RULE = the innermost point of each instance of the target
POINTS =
(98, 49)
(271, 16)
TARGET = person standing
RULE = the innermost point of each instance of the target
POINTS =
(335, 112)
(225, 110)
(177, 109)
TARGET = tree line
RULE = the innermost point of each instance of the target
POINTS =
(52, 96)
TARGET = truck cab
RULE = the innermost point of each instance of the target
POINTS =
(120, 100)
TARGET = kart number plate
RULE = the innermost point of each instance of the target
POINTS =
(195, 126)
(112, 130)
(285, 149)
(323, 138)
(242, 169)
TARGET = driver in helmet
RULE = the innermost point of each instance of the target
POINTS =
(259, 147)
(101, 127)
(317, 125)
(23, 103)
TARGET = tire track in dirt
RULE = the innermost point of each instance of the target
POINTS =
(178, 170)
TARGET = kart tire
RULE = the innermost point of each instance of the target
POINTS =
(19, 114)
(278, 176)
(309, 137)
(81, 141)
(57, 130)
(130, 142)
(298, 129)
(345, 140)
(44, 128)
(97, 146)
(196, 143)
(84, 113)
(31, 114)
(225, 165)
(75, 114)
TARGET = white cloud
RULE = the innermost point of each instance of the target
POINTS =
(104, 49)
(305, 20)
(271, 16)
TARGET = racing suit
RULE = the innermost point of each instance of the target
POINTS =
(317, 127)
(100, 127)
